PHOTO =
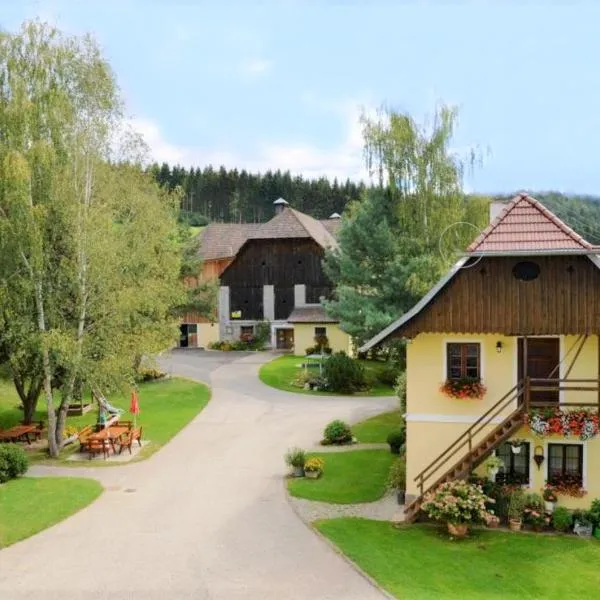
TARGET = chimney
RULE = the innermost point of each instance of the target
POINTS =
(496, 207)
(280, 205)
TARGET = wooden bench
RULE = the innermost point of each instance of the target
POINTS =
(83, 436)
(97, 447)
(126, 440)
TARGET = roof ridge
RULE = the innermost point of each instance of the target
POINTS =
(537, 205)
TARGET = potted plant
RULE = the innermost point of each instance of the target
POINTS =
(313, 467)
(492, 521)
(534, 512)
(493, 464)
(396, 440)
(515, 445)
(550, 498)
(583, 525)
(397, 479)
(516, 506)
(464, 388)
(296, 458)
(458, 504)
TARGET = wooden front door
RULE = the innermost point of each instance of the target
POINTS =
(285, 339)
(543, 356)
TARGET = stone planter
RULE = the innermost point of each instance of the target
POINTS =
(515, 524)
(549, 506)
(583, 530)
(458, 530)
(298, 472)
(313, 474)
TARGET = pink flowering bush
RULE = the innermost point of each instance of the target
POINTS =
(457, 502)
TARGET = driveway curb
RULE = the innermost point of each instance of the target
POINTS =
(333, 547)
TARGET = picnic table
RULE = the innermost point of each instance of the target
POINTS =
(109, 435)
(20, 433)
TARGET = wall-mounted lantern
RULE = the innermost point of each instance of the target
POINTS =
(498, 346)
(538, 456)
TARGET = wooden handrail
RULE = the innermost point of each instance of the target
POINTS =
(467, 437)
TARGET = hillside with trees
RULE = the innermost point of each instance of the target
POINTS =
(232, 195)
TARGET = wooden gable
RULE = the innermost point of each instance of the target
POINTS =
(485, 296)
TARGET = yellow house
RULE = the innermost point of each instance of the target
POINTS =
(312, 322)
(505, 348)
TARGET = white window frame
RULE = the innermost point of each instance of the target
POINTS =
(447, 341)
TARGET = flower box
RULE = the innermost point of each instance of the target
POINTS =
(465, 388)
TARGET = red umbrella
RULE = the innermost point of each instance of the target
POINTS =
(134, 406)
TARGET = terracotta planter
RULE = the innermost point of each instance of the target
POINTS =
(458, 530)
(515, 524)
(312, 474)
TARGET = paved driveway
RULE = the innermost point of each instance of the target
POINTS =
(204, 518)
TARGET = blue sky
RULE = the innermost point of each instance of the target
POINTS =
(280, 84)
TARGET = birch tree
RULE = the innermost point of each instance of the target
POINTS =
(92, 243)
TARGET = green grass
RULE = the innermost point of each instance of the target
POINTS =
(165, 408)
(420, 562)
(348, 477)
(29, 505)
(281, 372)
(377, 428)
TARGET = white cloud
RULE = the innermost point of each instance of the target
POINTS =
(344, 160)
(255, 67)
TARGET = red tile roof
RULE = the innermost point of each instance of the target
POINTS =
(527, 225)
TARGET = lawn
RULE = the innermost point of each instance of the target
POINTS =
(281, 372)
(420, 562)
(348, 477)
(377, 428)
(29, 505)
(165, 408)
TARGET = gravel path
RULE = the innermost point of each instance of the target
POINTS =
(386, 509)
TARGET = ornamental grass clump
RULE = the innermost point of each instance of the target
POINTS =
(457, 503)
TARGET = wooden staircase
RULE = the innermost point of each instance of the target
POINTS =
(465, 453)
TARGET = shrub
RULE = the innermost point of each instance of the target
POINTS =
(314, 381)
(295, 457)
(516, 504)
(149, 374)
(13, 462)
(314, 464)
(69, 431)
(457, 502)
(262, 334)
(338, 432)
(562, 519)
(595, 512)
(388, 376)
(401, 390)
(397, 475)
(396, 440)
(344, 374)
